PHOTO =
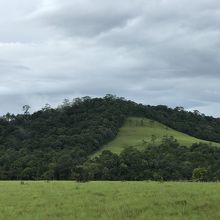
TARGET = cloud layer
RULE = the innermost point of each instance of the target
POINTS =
(155, 52)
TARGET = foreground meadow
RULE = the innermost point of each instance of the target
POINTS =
(109, 200)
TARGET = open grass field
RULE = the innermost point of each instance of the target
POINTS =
(137, 130)
(109, 201)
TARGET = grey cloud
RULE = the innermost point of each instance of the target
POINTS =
(155, 52)
(86, 18)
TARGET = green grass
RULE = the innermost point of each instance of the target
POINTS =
(134, 132)
(109, 201)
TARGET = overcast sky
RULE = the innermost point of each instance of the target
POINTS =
(154, 52)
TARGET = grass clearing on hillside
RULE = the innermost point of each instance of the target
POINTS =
(109, 201)
(137, 132)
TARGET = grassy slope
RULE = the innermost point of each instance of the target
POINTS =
(133, 134)
(109, 201)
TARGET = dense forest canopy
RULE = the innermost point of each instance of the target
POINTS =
(53, 143)
(166, 161)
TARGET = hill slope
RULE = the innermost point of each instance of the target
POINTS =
(138, 131)
(53, 142)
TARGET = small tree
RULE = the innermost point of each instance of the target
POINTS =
(153, 138)
(80, 174)
(66, 103)
(8, 117)
(26, 109)
(151, 123)
(199, 174)
(46, 107)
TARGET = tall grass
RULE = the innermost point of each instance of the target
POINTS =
(109, 201)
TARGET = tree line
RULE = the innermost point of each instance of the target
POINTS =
(167, 161)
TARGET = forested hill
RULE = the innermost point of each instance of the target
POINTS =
(51, 142)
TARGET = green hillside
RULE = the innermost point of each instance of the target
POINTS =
(138, 132)
(53, 143)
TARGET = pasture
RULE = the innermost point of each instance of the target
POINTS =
(138, 132)
(109, 200)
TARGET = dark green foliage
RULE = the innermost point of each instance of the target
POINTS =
(50, 143)
(199, 174)
(168, 161)
(54, 143)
